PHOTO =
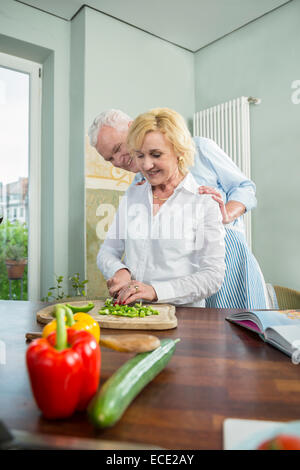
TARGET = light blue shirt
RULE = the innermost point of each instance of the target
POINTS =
(213, 167)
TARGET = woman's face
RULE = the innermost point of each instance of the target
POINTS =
(156, 159)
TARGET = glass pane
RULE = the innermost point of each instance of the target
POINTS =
(14, 128)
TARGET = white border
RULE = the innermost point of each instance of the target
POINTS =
(34, 70)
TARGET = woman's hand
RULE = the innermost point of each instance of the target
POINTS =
(120, 279)
(134, 291)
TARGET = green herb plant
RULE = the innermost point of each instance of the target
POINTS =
(78, 285)
(56, 292)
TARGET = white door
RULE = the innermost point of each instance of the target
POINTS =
(20, 175)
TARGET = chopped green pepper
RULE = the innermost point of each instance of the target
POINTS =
(138, 310)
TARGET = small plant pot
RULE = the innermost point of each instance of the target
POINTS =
(15, 269)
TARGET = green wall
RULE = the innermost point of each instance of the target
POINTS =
(131, 70)
(262, 60)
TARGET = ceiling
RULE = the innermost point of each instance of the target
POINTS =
(191, 24)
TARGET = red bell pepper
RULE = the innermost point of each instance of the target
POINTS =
(64, 369)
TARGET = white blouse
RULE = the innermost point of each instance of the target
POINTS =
(213, 167)
(180, 251)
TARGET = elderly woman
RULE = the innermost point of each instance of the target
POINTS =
(172, 237)
(244, 285)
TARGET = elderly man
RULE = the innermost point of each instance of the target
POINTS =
(216, 174)
(108, 135)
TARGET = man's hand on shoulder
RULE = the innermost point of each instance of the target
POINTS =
(216, 196)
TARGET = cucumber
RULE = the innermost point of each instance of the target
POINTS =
(111, 401)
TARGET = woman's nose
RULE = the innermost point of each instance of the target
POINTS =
(147, 164)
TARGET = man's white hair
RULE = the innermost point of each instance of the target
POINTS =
(113, 118)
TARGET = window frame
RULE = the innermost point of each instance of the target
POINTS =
(34, 70)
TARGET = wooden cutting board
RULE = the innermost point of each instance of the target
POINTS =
(164, 321)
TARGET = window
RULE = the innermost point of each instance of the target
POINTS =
(20, 123)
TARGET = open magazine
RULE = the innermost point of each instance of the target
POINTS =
(281, 328)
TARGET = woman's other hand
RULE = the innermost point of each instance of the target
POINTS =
(120, 279)
(134, 291)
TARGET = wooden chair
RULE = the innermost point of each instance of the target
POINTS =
(287, 298)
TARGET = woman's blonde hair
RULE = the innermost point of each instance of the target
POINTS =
(172, 125)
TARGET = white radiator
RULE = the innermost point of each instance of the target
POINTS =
(228, 124)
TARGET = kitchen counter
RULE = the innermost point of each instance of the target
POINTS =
(218, 371)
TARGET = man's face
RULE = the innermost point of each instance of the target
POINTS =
(111, 144)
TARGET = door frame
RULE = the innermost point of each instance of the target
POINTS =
(34, 70)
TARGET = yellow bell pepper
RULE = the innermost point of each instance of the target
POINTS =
(83, 321)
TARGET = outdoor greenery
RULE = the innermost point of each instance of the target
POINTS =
(13, 245)
(15, 252)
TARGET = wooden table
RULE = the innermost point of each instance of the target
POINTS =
(218, 371)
